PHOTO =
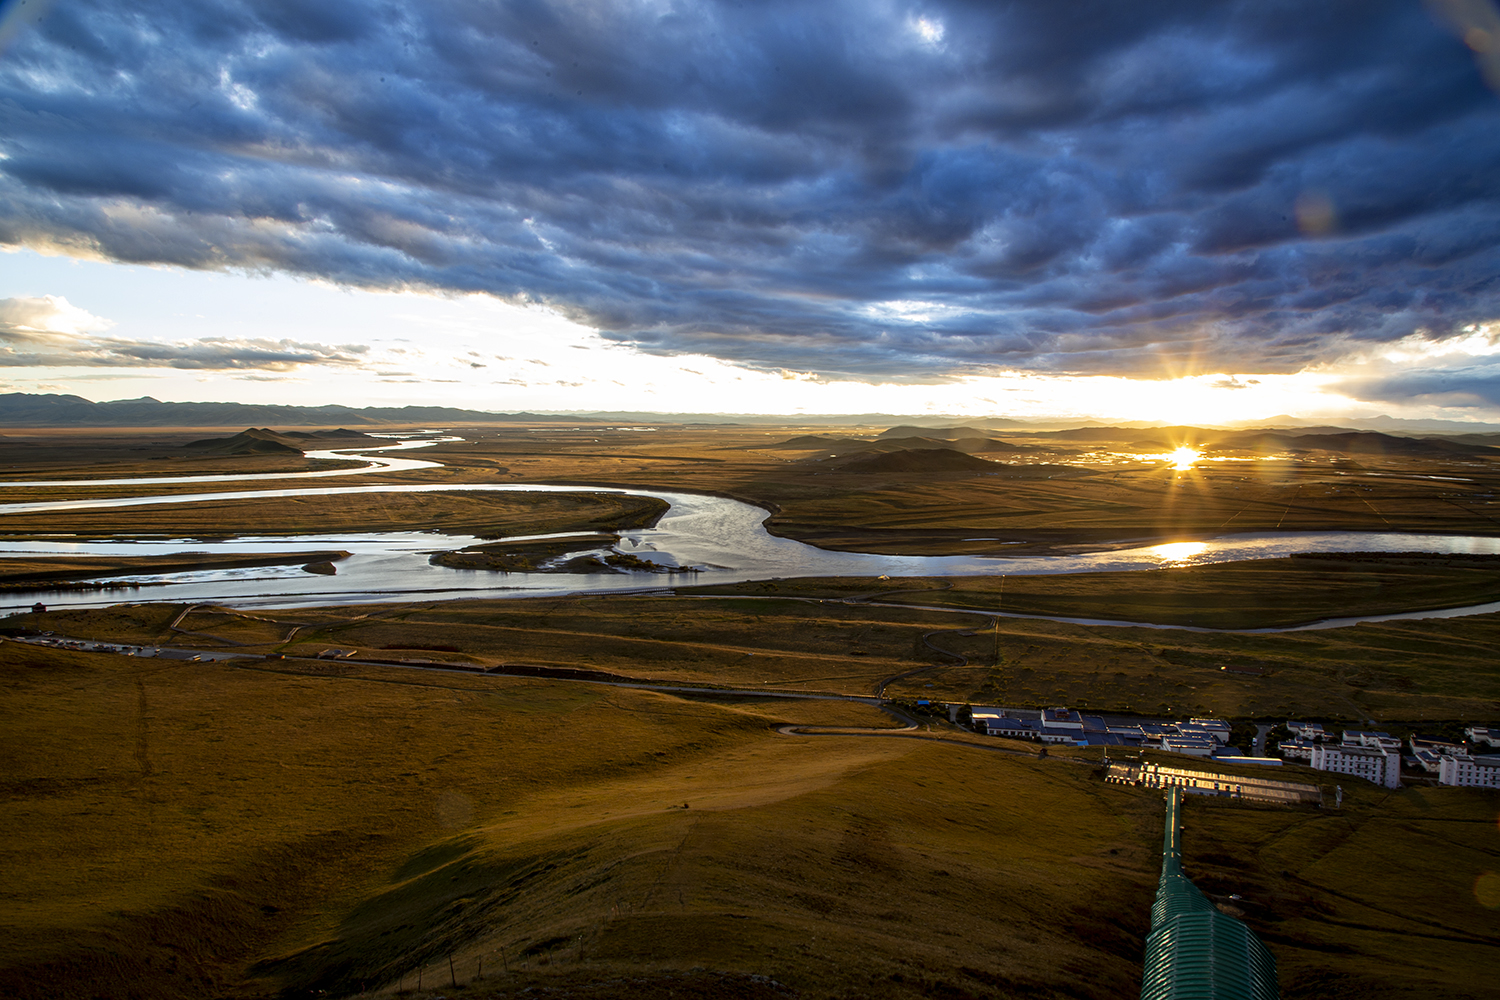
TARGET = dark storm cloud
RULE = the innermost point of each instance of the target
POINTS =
(893, 190)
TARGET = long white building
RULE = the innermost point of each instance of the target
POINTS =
(1150, 774)
(1473, 772)
(1371, 763)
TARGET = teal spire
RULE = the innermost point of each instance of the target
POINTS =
(1194, 951)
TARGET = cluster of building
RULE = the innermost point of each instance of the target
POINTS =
(1195, 737)
(1377, 757)
(1270, 791)
(1373, 756)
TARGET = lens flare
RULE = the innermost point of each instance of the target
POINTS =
(20, 16)
(1487, 890)
(1183, 458)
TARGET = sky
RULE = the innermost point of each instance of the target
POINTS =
(1174, 210)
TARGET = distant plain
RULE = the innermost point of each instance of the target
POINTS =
(292, 826)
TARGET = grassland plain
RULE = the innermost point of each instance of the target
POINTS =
(1394, 672)
(192, 830)
(93, 453)
(1110, 494)
(490, 515)
(1261, 593)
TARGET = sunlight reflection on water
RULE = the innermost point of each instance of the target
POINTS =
(1178, 551)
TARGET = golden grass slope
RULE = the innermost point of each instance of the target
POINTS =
(484, 514)
(192, 830)
(1392, 673)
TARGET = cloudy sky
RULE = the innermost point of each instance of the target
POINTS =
(1161, 209)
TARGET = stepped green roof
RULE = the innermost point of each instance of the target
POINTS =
(1194, 951)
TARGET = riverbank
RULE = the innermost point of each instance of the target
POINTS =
(1253, 594)
(482, 514)
(1106, 493)
(66, 573)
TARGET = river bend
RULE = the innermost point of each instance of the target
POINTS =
(724, 540)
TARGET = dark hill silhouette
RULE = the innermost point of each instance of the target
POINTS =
(1362, 443)
(338, 434)
(968, 445)
(991, 446)
(815, 442)
(254, 441)
(936, 433)
(922, 460)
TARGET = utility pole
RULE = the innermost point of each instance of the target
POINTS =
(1000, 604)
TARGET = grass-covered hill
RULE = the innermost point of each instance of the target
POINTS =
(304, 828)
(919, 460)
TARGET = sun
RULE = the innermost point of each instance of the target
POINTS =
(1183, 457)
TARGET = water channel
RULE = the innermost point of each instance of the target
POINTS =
(723, 540)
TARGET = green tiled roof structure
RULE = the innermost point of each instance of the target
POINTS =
(1195, 952)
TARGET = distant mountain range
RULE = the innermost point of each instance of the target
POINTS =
(20, 409)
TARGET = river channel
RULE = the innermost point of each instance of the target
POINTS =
(722, 540)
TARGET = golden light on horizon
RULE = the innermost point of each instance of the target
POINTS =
(1183, 457)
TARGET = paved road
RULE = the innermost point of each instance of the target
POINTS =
(1260, 739)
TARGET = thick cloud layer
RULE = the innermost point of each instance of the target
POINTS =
(50, 332)
(880, 189)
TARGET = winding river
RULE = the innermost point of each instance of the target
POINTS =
(723, 539)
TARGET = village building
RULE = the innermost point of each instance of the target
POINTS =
(1297, 748)
(1149, 774)
(1217, 728)
(1384, 741)
(1062, 718)
(998, 724)
(1306, 730)
(1470, 772)
(1197, 746)
(1374, 764)
(1438, 747)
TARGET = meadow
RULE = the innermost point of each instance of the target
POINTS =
(1395, 675)
(1249, 594)
(190, 830)
(1105, 492)
(486, 515)
(299, 827)
(1108, 492)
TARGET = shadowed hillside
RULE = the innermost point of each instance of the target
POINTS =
(305, 828)
(923, 460)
